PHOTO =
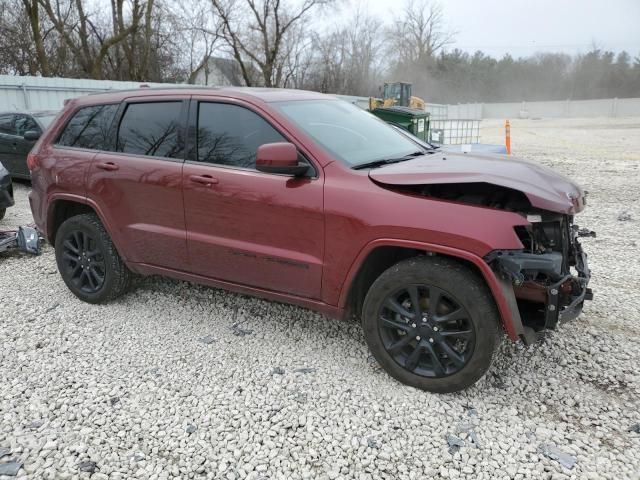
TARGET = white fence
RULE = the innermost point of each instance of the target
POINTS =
(48, 93)
(608, 107)
(38, 93)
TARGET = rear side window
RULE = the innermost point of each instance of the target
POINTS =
(231, 135)
(89, 128)
(152, 129)
(24, 123)
(7, 124)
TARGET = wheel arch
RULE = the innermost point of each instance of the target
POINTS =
(381, 254)
(62, 207)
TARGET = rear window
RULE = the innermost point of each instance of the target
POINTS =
(89, 128)
(152, 129)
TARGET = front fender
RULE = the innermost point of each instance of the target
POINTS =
(501, 288)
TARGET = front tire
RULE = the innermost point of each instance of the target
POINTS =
(88, 261)
(431, 323)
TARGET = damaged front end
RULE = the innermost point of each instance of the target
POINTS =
(546, 282)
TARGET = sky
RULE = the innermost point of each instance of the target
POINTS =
(522, 27)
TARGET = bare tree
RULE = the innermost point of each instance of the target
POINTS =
(32, 10)
(16, 47)
(82, 34)
(298, 57)
(349, 57)
(330, 65)
(418, 33)
(365, 53)
(199, 31)
(256, 31)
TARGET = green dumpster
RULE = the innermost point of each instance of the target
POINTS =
(411, 119)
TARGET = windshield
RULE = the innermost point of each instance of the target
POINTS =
(350, 133)
(45, 120)
(413, 138)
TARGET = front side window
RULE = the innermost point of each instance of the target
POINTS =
(230, 135)
(89, 128)
(152, 129)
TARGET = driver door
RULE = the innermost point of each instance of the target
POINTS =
(244, 226)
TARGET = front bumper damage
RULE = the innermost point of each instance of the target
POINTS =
(558, 297)
(576, 289)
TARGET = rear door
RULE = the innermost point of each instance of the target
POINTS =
(244, 226)
(138, 185)
(82, 137)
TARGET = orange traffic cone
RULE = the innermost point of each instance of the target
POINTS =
(507, 136)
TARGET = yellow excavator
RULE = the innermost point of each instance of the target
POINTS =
(396, 94)
(400, 108)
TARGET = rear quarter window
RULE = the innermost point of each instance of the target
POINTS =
(89, 128)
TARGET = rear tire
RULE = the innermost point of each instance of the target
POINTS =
(2, 212)
(446, 343)
(88, 261)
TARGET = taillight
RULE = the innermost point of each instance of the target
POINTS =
(32, 162)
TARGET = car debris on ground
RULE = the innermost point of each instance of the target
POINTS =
(207, 340)
(454, 443)
(554, 453)
(87, 466)
(25, 239)
(11, 468)
(624, 216)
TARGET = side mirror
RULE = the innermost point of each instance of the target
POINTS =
(32, 135)
(280, 158)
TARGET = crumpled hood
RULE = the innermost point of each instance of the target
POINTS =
(545, 188)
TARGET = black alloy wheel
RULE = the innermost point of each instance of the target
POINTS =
(426, 330)
(431, 322)
(88, 260)
(84, 262)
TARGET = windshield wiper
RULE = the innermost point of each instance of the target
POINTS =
(387, 161)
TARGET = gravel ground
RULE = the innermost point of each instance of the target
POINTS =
(181, 381)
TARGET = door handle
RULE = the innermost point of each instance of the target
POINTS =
(206, 180)
(109, 166)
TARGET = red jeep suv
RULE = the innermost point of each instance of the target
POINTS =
(302, 198)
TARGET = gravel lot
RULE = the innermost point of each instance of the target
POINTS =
(181, 381)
